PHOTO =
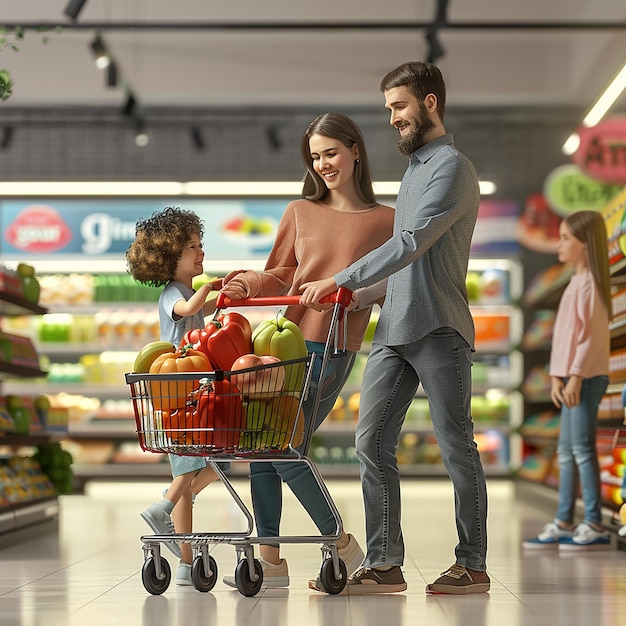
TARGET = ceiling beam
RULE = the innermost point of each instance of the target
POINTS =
(612, 25)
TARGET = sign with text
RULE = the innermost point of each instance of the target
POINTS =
(233, 229)
(602, 151)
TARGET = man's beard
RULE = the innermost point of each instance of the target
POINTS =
(408, 144)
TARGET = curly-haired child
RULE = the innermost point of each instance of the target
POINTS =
(167, 251)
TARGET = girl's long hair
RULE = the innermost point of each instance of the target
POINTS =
(589, 228)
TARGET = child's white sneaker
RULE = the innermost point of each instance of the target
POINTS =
(585, 538)
(274, 576)
(549, 536)
(183, 574)
(161, 524)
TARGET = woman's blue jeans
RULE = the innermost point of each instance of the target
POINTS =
(577, 449)
(442, 362)
(266, 477)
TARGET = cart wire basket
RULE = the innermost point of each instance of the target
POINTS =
(252, 414)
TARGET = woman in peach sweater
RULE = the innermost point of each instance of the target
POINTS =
(337, 221)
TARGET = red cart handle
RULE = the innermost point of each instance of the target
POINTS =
(342, 296)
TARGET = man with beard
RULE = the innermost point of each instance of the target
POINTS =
(425, 334)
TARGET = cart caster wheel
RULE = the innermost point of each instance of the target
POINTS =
(245, 585)
(327, 577)
(151, 583)
(201, 581)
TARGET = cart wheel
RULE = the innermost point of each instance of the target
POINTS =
(151, 583)
(201, 581)
(245, 585)
(327, 576)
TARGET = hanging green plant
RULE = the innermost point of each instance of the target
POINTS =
(6, 85)
(10, 38)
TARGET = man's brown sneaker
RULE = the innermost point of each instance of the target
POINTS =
(460, 580)
(367, 580)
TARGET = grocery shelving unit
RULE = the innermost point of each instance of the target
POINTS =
(26, 516)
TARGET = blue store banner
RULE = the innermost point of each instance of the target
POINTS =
(234, 229)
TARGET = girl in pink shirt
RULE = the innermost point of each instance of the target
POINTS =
(579, 364)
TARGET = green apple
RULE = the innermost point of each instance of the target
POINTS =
(472, 282)
(23, 269)
(42, 403)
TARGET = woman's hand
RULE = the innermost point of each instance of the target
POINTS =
(314, 291)
(234, 287)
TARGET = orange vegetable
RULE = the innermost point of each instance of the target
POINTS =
(169, 395)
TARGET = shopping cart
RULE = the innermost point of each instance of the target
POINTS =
(252, 414)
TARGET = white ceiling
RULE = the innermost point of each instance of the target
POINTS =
(307, 67)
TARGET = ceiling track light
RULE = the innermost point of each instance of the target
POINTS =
(7, 137)
(273, 138)
(141, 134)
(74, 7)
(130, 105)
(197, 138)
(112, 79)
(435, 49)
(100, 53)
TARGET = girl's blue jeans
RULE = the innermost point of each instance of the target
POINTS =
(266, 477)
(577, 450)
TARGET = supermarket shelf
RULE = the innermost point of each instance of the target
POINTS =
(98, 390)
(26, 514)
(9, 370)
(33, 439)
(11, 304)
(161, 471)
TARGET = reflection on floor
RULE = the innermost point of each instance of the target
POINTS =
(89, 574)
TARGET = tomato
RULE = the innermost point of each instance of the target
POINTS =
(169, 395)
(259, 378)
(219, 416)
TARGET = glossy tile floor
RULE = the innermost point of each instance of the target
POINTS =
(90, 573)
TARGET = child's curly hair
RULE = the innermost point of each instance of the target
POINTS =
(159, 243)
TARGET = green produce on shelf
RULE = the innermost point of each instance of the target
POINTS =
(57, 464)
(30, 284)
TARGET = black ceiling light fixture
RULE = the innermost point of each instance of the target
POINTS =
(112, 78)
(435, 49)
(130, 105)
(6, 139)
(197, 138)
(100, 53)
(273, 138)
(74, 7)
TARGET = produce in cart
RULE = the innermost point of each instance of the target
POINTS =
(223, 340)
(172, 395)
(256, 381)
(283, 339)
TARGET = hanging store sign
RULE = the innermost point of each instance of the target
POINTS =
(567, 189)
(602, 151)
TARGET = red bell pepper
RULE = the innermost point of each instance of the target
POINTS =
(219, 415)
(198, 337)
(229, 337)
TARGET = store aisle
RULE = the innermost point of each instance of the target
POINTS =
(90, 574)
